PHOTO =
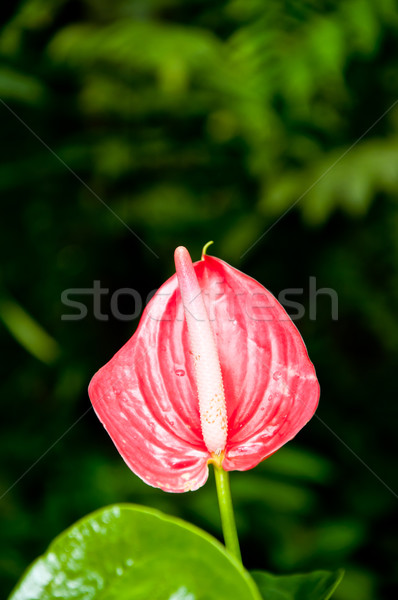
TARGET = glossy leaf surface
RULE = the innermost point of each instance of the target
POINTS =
(146, 395)
(318, 585)
(126, 552)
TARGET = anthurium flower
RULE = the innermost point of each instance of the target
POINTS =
(216, 372)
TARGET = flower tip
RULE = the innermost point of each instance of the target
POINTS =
(204, 251)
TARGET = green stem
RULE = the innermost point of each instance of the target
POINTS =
(227, 512)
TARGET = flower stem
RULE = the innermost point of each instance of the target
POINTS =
(227, 512)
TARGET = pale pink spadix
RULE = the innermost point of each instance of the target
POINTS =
(212, 407)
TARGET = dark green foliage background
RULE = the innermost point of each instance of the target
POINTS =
(192, 121)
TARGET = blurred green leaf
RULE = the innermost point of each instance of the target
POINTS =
(346, 178)
(173, 49)
(18, 86)
(277, 495)
(27, 331)
(296, 462)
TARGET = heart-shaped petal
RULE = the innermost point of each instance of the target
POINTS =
(147, 399)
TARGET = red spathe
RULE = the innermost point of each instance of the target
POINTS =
(146, 395)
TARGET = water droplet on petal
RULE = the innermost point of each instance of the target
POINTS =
(180, 372)
(268, 432)
(277, 375)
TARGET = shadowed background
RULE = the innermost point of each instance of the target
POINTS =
(191, 121)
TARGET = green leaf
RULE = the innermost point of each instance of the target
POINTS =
(318, 585)
(128, 552)
(18, 86)
(27, 331)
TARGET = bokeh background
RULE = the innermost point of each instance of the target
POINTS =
(185, 121)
